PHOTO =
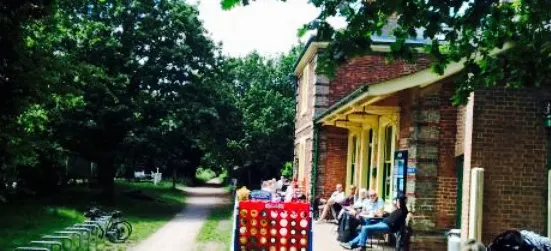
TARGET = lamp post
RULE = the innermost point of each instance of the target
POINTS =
(547, 124)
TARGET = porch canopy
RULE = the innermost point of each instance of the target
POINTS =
(352, 108)
(371, 116)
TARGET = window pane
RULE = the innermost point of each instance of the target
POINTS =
(368, 153)
(387, 165)
(353, 160)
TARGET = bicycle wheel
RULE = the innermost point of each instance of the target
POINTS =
(119, 231)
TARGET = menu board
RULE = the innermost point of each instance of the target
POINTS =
(400, 172)
(264, 226)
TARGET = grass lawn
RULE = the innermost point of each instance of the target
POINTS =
(217, 230)
(27, 219)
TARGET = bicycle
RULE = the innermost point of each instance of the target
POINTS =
(111, 224)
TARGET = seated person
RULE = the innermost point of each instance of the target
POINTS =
(280, 183)
(356, 208)
(352, 196)
(374, 206)
(334, 201)
(391, 223)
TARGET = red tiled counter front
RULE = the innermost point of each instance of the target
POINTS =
(264, 226)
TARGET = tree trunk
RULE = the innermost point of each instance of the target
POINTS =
(174, 176)
(249, 182)
(106, 177)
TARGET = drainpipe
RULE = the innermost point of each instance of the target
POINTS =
(547, 125)
(315, 163)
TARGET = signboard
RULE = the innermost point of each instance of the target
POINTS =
(400, 172)
(265, 226)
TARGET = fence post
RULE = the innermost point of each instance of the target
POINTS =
(476, 202)
(549, 202)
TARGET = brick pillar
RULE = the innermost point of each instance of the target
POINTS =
(424, 153)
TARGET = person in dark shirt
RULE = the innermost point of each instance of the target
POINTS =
(391, 223)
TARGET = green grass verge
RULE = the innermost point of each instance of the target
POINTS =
(27, 219)
(218, 227)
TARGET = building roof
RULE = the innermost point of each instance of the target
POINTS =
(312, 45)
(421, 78)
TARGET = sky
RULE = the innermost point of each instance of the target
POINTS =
(267, 26)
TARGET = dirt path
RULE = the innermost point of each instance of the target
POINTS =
(180, 232)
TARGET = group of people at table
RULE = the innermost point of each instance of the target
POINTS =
(366, 207)
(283, 190)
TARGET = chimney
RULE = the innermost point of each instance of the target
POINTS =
(392, 23)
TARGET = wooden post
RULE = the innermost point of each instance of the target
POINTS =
(475, 207)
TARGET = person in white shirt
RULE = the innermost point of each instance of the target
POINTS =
(358, 204)
(336, 199)
(374, 206)
(280, 183)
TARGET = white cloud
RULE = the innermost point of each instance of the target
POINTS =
(267, 26)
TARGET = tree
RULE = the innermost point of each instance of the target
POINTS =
(22, 117)
(456, 30)
(263, 93)
(134, 58)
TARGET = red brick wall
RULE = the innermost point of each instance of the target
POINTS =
(369, 69)
(406, 98)
(509, 143)
(447, 178)
(332, 159)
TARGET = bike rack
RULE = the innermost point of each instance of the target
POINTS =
(49, 244)
(33, 248)
(80, 236)
(73, 233)
(86, 235)
(65, 238)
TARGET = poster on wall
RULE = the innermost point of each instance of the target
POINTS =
(400, 172)
(273, 226)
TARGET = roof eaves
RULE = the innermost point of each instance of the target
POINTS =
(356, 93)
(308, 43)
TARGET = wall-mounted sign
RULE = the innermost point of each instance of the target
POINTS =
(401, 171)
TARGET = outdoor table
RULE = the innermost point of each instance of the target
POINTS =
(370, 218)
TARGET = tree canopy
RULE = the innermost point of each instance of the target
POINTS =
(130, 86)
(455, 30)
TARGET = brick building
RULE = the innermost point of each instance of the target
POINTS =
(349, 128)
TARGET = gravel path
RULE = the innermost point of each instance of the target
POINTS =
(179, 233)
